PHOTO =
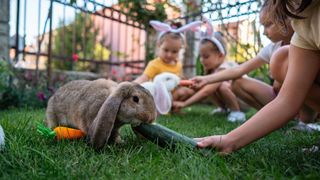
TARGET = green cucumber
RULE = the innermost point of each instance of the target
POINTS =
(165, 137)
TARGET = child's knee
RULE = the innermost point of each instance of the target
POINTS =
(188, 92)
(236, 84)
(224, 86)
(279, 63)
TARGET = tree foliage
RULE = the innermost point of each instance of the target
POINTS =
(142, 12)
(77, 39)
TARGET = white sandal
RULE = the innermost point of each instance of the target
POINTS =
(219, 110)
(236, 116)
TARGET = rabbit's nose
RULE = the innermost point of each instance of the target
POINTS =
(150, 121)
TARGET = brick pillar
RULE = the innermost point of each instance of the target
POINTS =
(4, 29)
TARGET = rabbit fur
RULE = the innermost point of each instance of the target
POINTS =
(99, 108)
(161, 88)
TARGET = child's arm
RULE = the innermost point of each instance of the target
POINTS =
(141, 79)
(199, 95)
(303, 68)
(229, 74)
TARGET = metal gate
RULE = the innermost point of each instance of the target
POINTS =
(83, 35)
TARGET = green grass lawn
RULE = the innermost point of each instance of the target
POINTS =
(30, 156)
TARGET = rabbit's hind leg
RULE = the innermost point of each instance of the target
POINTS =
(52, 120)
(57, 119)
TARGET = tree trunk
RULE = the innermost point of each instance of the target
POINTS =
(189, 59)
(191, 51)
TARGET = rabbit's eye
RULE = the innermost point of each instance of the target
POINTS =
(135, 99)
(167, 79)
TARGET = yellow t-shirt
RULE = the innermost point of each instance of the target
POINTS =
(157, 66)
(307, 31)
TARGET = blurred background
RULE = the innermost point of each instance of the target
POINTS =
(46, 43)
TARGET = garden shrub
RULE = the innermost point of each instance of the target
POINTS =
(18, 89)
(21, 87)
(5, 73)
(8, 96)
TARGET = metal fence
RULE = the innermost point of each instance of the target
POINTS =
(46, 32)
(238, 20)
(89, 35)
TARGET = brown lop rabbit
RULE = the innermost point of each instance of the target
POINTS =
(99, 108)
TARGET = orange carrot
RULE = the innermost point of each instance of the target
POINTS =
(185, 82)
(60, 132)
(68, 133)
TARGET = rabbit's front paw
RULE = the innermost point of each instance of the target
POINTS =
(118, 140)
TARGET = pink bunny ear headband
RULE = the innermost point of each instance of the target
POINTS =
(164, 28)
(209, 35)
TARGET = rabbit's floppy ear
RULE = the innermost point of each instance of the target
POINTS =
(170, 80)
(162, 98)
(150, 87)
(102, 126)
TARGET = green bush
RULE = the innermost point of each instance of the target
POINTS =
(24, 97)
(17, 88)
(262, 74)
(5, 72)
(8, 96)
(199, 67)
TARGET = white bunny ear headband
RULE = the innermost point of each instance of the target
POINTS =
(209, 35)
(164, 28)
